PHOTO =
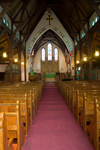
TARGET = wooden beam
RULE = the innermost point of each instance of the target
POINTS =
(22, 7)
(37, 10)
(6, 1)
(14, 22)
(83, 10)
(4, 10)
(82, 21)
(95, 7)
(69, 18)
(27, 13)
(3, 41)
(2, 32)
(97, 30)
(75, 33)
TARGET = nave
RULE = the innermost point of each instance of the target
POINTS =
(54, 127)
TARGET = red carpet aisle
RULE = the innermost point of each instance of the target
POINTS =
(54, 127)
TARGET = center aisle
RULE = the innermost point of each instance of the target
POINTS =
(54, 127)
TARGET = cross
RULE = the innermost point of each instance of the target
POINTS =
(49, 18)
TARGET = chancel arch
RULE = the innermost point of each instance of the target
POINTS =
(49, 54)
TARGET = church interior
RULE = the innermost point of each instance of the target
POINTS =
(49, 74)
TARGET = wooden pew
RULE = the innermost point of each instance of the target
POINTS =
(79, 100)
(87, 111)
(5, 144)
(23, 108)
(21, 96)
(94, 134)
(15, 128)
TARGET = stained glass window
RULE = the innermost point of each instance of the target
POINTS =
(7, 24)
(92, 22)
(49, 52)
(4, 20)
(56, 54)
(96, 19)
(43, 54)
(83, 34)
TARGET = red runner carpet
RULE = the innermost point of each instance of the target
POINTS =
(54, 127)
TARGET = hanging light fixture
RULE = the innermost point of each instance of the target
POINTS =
(15, 60)
(77, 61)
(22, 63)
(96, 53)
(4, 54)
(85, 59)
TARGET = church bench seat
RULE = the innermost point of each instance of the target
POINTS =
(65, 87)
(72, 98)
(87, 111)
(5, 144)
(21, 97)
(6, 107)
(94, 127)
(15, 128)
(79, 100)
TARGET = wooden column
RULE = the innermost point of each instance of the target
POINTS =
(11, 66)
(25, 64)
(90, 70)
(81, 62)
(19, 63)
(90, 63)
(75, 61)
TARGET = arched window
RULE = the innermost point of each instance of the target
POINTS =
(83, 34)
(4, 20)
(7, 24)
(96, 19)
(49, 52)
(92, 22)
(56, 54)
(43, 54)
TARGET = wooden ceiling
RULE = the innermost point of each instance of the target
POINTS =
(26, 14)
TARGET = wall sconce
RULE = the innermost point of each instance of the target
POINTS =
(15, 60)
(77, 61)
(96, 53)
(85, 59)
(22, 63)
(4, 54)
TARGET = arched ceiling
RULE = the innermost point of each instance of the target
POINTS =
(52, 37)
(27, 13)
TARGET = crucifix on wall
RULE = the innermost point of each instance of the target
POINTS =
(49, 18)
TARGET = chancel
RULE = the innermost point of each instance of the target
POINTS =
(49, 75)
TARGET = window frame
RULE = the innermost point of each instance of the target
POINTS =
(41, 53)
(51, 51)
(54, 54)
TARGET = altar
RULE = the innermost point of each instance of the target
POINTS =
(50, 76)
